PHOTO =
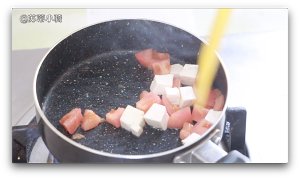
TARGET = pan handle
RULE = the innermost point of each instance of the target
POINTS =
(210, 152)
(22, 138)
(234, 157)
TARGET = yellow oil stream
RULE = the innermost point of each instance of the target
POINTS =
(207, 61)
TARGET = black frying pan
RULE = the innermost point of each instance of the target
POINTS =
(101, 83)
(95, 68)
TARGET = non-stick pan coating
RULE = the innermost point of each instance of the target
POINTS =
(102, 83)
(95, 68)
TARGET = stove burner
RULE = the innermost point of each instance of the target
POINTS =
(28, 146)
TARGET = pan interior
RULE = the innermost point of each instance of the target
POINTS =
(102, 83)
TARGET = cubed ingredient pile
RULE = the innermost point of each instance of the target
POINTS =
(168, 104)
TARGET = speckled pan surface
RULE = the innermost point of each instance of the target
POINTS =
(95, 68)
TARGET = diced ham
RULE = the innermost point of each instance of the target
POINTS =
(161, 67)
(178, 118)
(184, 134)
(71, 121)
(160, 56)
(201, 127)
(171, 108)
(144, 57)
(113, 117)
(90, 120)
(176, 82)
(77, 136)
(187, 126)
(205, 123)
(199, 113)
(147, 100)
(143, 93)
(159, 62)
(186, 130)
(212, 98)
(219, 103)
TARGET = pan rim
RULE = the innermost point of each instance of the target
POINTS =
(114, 155)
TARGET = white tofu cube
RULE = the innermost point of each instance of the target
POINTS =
(191, 139)
(173, 95)
(157, 116)
(176, 69)
(136, 130)
(141, 122)
(160, 82)
(188, 74)
(213, 116)
(187, 96)
(131, 118)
